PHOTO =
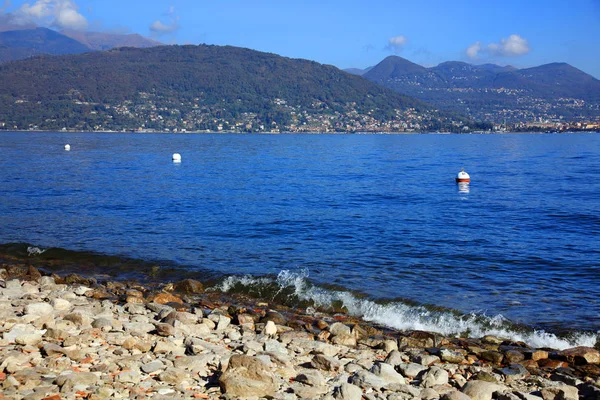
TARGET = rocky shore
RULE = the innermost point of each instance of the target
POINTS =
(71, 337)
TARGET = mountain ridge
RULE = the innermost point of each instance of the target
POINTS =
(199, 88)
(493, 93)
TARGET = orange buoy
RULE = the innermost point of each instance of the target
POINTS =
(463, 177)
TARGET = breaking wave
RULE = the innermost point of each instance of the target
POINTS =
(295, 289)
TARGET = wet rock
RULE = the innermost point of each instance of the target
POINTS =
(417, 339)
(247, 376)
(489, 339)
(581, 355)
(451, 356)
(481, 390)
(513, 356)
(274, 316)
(562, 392)
(536, 355)
(165, 298)
(495, 357)
(552, 364)
(347, 391)
(189, 287)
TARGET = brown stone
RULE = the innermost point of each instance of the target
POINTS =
(552, 364)
(164, 298)
(322, 324)
(494, 357)
(537, 355)
(189, 287)
(248, 376)
(33, 274)
(581, 355)
(514, 356)
(417, 339)
(134, 300)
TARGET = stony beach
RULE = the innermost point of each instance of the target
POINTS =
(76, 337)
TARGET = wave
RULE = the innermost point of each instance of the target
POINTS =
(295, 289)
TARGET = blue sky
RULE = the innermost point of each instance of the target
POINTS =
(351, 33)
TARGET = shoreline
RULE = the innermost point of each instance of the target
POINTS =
(83, 337)
(294, 290)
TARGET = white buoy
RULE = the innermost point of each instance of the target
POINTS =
(176, 157)
(463, 177)
(67, 147)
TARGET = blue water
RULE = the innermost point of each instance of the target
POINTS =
(375, 214)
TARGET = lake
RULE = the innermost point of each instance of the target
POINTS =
(376, 222)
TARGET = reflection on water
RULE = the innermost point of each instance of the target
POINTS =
(463, 187)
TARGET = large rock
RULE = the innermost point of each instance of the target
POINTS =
(38, 309)
(581, 355)
(189, 286)
(68, 381)
(388, 373)
(481, 390)
(248, 376)
(323, 362)
(562, 392)
(366, 379)
(435, 376)
(348, 391)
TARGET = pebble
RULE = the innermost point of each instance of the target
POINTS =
(101, 343)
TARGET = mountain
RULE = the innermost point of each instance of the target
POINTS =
(200, 87)
(357, 71)
(29, 42)
(19, 42)
(106, 41)
(494, 93)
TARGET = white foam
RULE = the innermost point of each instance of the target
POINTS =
(406, 317)
(34, 251)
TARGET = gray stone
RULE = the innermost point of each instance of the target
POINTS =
(429, 394)
(366, 379)
(29, 339)
(61, 304)
(102, 323)
(481, 390)
(165, 330)
(411, 370)
(348, 340)
(434, 376)
(247, 376)
(311, 377)
(395, 358)
(128, 376)
(223, 323)
(173, 376)
(451, 356)
(338, 328)
(562, 392)
(454, 395)
(427, 360)
(347, 391)
(323, 362)
(38, 309)
(388, 373)
(152, 366)
(68, 381)
(514, 372)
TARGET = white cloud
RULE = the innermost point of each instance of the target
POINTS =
(159, 27)
(62, 14)
(473, 50)
(397, 43)
(513, 46)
